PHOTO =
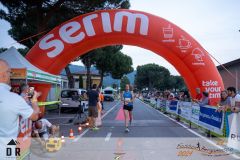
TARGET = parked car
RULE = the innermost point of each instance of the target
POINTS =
(71, 98)
(108, 95)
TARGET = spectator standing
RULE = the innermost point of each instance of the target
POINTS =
(225, 101)
(205, 99)
(11, 107)
(93, 99)
(234, 98)
(199, 96)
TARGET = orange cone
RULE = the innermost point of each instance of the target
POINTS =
(71, 135)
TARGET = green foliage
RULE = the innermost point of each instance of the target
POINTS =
(154, 76)
(23, 51)
(123, 82)
(109, 60)
(29, 18)
(151, 76)
(80, 82)
(115, 86)
(122, 64)
(178, 83)
(3, 50)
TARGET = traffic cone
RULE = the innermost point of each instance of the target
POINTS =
(71, 135)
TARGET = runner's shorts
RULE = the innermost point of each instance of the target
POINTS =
(92, 111)
(129, 108)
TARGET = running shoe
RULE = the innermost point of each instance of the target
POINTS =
(127, 130)
(95, 128)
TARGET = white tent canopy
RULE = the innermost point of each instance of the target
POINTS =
(16, 60)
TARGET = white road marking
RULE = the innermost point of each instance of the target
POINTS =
(82, 134)
(108, 137)
(110, 110)
(79, 136)
(192, 131)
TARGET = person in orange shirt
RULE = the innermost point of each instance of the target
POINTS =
(101, 98)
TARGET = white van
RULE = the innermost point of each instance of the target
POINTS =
(108, 95)
(70, 98)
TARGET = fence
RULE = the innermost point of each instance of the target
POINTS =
(206, 117)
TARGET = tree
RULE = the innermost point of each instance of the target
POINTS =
(22, 51)
(151, 76)
(80, 82)
(177, 82)
(104, 60)
(3, 50)
(30, 20)
(123, 82)
(108, 60)
(122, 64)
(88, 61)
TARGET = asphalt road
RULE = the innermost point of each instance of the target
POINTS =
(152, 136)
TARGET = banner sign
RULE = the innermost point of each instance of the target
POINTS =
(24, 137)
(19, 73)
(185, 109)
(204, 116)
(234, 131)
(172, 106)
(195, 113)
(210, 119)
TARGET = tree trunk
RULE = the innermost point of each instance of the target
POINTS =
(101, 80)
(70, 77)
(88, 66)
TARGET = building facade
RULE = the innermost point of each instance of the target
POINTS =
(80, 79)
(230, 74)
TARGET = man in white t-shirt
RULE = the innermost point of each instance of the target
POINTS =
(235, 99)
(41, 128)
(233, 119)
(11, 107)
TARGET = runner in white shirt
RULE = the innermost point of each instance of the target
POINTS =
(11, 107)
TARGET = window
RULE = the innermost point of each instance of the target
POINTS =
(108, 92)
(69, 94)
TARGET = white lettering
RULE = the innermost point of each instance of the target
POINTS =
(210, 83)
(87, 22)
(45, 44)
(214, 95)
(213, 89)
(71, 32)
(67, 30)
(106, 23)
(132, 17)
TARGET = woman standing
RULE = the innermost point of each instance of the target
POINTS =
(225, 102)
(127, 98)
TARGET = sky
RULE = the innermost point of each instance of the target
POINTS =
(215, 24)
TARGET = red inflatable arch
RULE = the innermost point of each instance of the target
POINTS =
(110, 27)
